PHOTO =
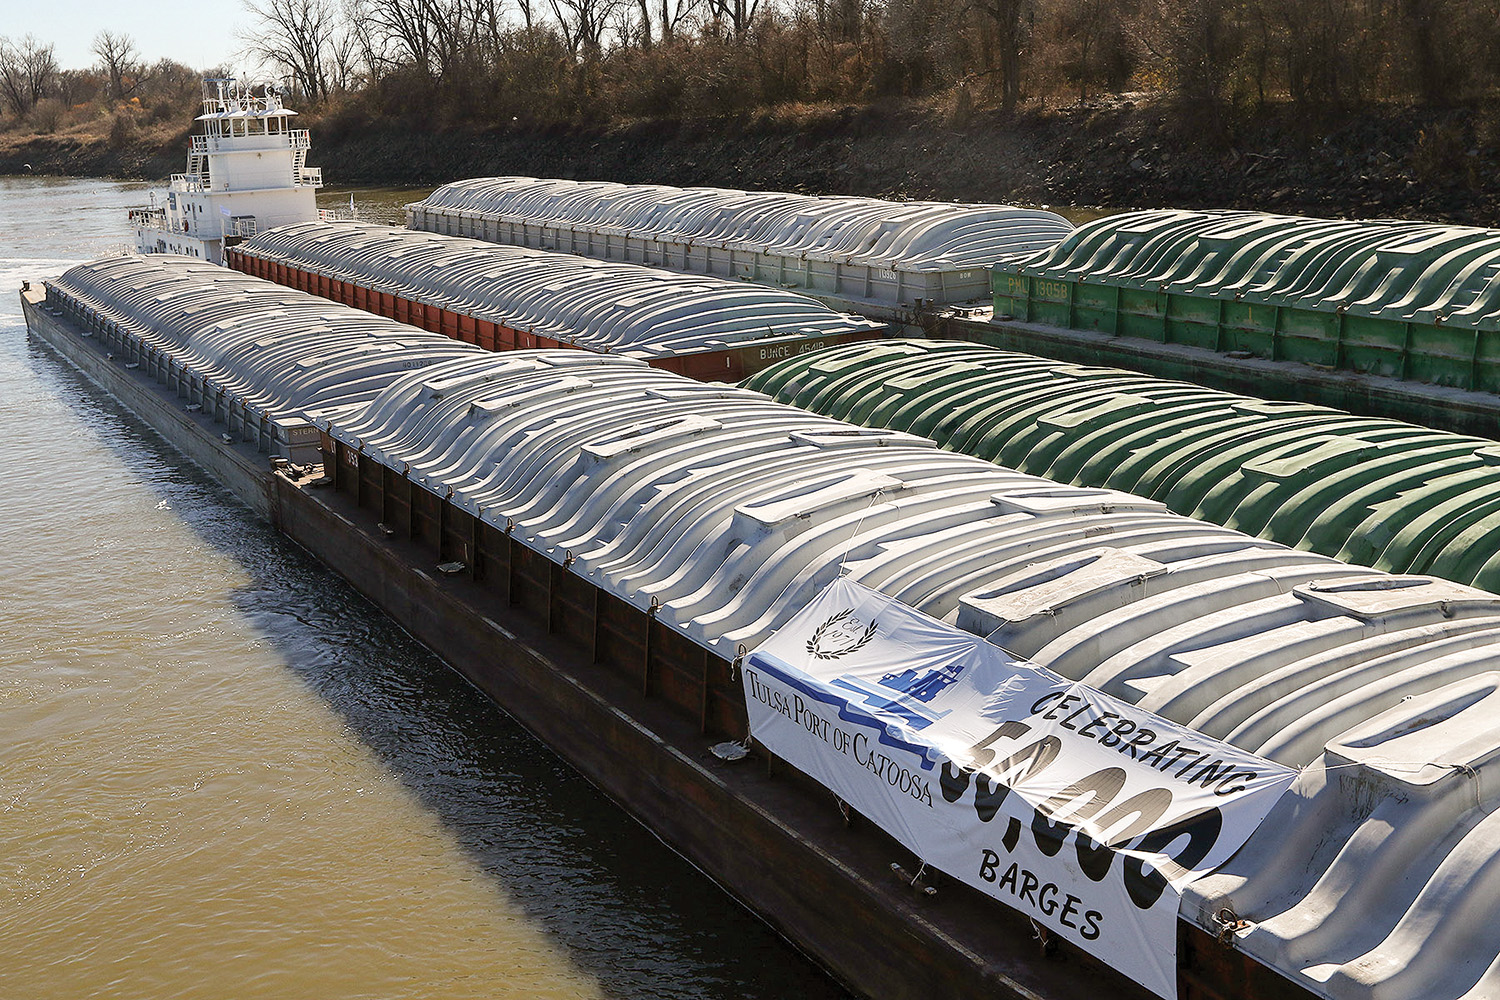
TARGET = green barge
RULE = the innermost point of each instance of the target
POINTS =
(1417, 302)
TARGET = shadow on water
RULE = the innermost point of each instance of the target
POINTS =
(627, 909)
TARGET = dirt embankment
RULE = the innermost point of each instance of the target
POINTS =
(1418, 163)
(90, 156)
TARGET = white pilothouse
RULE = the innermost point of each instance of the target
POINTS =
(246, 171)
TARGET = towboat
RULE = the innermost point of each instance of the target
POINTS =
(246, 171)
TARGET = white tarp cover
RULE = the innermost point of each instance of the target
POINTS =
(1083, 812)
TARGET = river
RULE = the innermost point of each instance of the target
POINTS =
(224, 775)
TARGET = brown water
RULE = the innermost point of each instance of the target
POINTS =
(386, 205)
(224, 775)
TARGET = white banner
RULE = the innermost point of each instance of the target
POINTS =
(1081, 811)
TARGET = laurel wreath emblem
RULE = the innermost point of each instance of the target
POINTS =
(817, 650)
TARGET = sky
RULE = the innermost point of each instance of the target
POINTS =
(200, 34)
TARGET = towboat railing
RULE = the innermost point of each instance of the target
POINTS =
(149, 218)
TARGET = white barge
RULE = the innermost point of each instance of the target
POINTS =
(884, 259)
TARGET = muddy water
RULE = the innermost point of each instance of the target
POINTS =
(224, 775)
(387, 205)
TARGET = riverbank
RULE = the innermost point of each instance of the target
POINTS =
(1118, 152)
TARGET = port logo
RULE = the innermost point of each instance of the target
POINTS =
(841, 635)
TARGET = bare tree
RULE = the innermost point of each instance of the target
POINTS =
(1012, 24)
(659, 21)
(926, 38)
(490, 27)
(1439, 46)
(1079, 27)
(645, 22)
(738, 14)
(344, 60)
(1315, 40)
(27, 69)
(673, 15)
(839, 20)
(369, 39)
(1199, 41)
(405, 31)
(299, 36)
(583, 22)
(118, 59)
(170, 89)
(455, 28)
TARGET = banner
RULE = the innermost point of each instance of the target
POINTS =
(1083, 812)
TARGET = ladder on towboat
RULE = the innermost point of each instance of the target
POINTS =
(198, 167)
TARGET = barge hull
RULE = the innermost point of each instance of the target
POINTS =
(1440, 407)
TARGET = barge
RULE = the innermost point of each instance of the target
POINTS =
(1412, 301)
(1386, 318)
(1390, 319)
(646, 529)
(783, 848)
(884, 259)
(513, 298)
(1367, 490)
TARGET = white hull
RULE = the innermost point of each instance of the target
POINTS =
(157, 240)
